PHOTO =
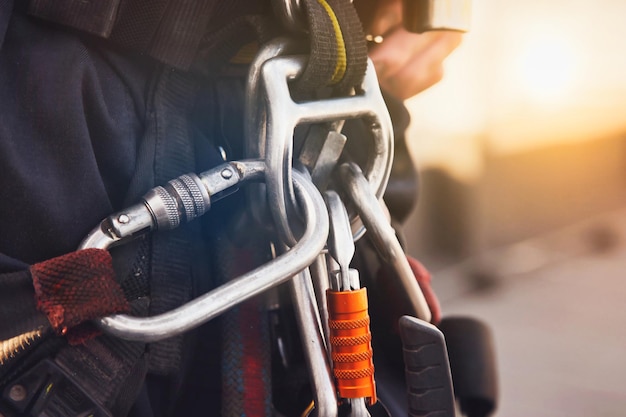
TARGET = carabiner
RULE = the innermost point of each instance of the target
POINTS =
(181, 200)
(148, 216)
(383, 236)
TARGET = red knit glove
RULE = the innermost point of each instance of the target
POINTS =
(73, 289)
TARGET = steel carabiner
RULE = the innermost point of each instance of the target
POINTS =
(161, 208)
(383, 236)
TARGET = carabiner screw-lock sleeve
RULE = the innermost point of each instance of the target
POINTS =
(351, 346)
(179, 201)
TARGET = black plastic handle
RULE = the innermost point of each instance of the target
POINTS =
(427, 369)
(473, 363)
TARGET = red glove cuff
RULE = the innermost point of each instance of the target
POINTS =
(75, 288)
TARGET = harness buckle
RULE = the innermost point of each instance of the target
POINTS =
(47, 390)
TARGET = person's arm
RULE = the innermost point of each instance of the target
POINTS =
(406, 63)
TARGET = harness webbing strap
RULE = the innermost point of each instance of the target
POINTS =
(225, 44)
(95, 17)
(6, 6)
(168, 30)
(246, 379)
(137, 23)
(171, 31)
(340, 64)
(177, 37)
(102, 374)
(338, 51)
(106, 368)
(356, 46)
(171, 258)
(323, 51)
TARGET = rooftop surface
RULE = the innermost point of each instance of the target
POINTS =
(557, 306)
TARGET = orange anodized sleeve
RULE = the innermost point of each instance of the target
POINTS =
(351, 346)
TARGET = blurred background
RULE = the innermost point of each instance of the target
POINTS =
(522, 212)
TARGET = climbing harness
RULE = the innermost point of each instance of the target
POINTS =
(347, 342)
(304, 189)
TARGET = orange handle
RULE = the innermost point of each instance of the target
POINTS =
(351, 344)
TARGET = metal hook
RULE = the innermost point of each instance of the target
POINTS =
(383, 236)
(210, 305)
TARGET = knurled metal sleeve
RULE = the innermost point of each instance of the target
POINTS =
(200, 207)
(349, 324)
(185, 197)
(350, 340)
(354, 373)
(351, 357)
(351, 347)
(170, 206)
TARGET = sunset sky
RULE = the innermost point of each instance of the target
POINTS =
(529, 73)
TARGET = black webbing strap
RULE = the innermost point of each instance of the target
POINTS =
(246, 351)
(356, 46)
(176, 38)
(6, 6)
(109, 369)
(171, 31)
(167, 30)
(101, 377)
(175, 31)
(95, 17)
(220, 46)
(338, 51)
(170, 274)
(40, 374)
(323, 56)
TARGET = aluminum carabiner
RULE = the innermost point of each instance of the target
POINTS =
(163, 208)
(383, 236)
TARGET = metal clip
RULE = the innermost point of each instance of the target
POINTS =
(210, 305)
(348, 316)
(181, 200)
(382, 234)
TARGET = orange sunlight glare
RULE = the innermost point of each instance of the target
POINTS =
(526, 76)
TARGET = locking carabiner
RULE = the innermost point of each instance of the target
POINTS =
(383, 236)
(163, 207)
(181, 200)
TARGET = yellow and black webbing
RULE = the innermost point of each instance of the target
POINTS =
(338, 51)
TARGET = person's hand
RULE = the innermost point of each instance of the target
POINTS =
(407, 63)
